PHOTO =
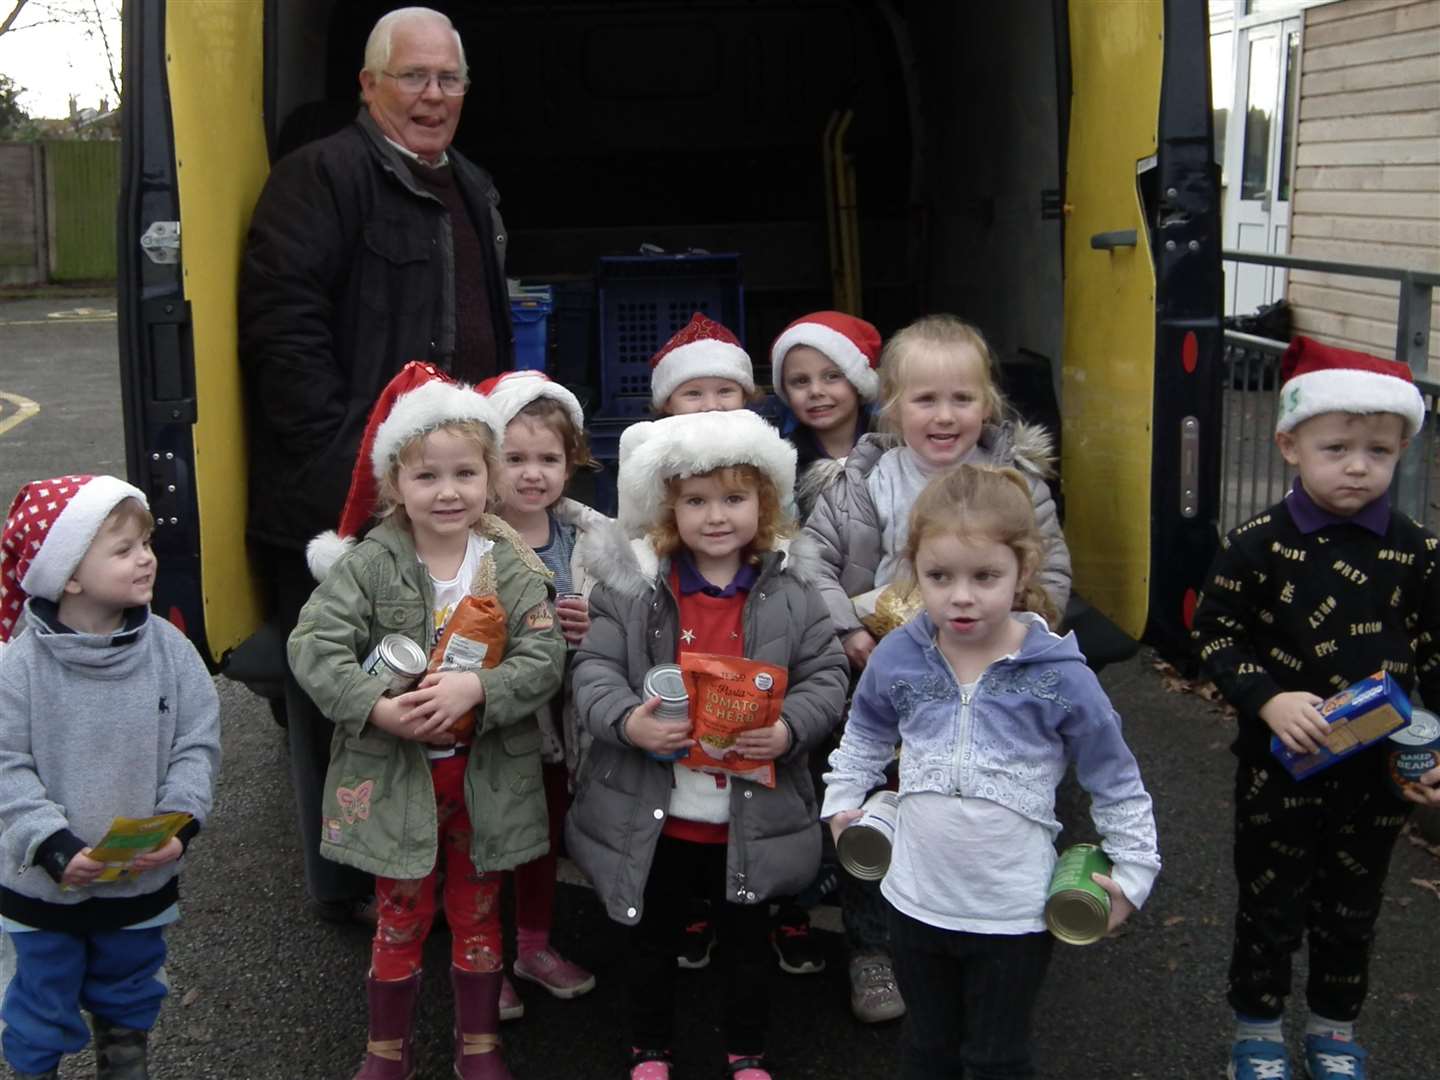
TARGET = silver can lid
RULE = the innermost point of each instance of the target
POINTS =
(403, 655)
(666, 682)
(1424, 729)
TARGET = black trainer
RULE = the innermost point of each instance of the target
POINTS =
(696, 945)
(795, 947)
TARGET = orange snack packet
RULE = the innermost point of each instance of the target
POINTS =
(730, 695)
(475, 637)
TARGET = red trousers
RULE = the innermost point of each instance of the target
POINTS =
(535, 881)
(472, 899)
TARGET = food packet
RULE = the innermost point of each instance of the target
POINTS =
(474, 638)
(730, 695)
(887, 608)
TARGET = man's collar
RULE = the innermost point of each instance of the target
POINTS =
(1309, 517)
(444, 154)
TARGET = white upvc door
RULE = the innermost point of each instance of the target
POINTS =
(1259, 158)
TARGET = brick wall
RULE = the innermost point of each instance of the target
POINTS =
(22, 228)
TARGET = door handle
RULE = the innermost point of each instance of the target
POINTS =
(1109, 241)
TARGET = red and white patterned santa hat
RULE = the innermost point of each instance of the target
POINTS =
(47, 533)
(701, 349)
(417, 401)
(1318, 378)
(850, 343)
(512, 391)
(693, 444)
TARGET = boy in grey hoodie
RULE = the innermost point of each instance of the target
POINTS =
(105, 712)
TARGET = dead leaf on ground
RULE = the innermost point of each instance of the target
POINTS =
(1428, 886)
(191, 996)
(1175, 920)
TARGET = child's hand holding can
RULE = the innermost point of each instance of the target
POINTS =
(573, 612)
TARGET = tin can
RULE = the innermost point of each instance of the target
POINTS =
(667, 682)
(397, 660)
(864, 845)
(1414, 750)
(1077, 911)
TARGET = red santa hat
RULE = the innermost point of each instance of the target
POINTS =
(652, 452)
(850, 343)
(47, 533)
(701, 349)
(419, 400)
(1318, 378)
(511, 392)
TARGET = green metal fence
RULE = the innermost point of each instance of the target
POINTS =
(83, 182)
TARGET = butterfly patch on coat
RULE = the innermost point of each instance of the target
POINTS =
(355, 802)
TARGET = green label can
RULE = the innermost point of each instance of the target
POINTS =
(1077, 911)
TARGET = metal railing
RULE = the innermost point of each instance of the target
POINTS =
(1253, 475)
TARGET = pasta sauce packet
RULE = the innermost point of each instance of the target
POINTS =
(730, 695)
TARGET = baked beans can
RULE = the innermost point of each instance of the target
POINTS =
(666, 682)
(864, 845)
(1414, 751)
(397, 660)
(1077, 911)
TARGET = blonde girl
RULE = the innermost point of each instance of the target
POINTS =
(450, 769)
(991, 706)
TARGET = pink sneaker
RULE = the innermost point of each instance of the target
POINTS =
(556, 974)
(746, 1067)
(649, 1064)
(511, 1007)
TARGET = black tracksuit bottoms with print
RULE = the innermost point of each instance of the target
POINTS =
(1310, 857)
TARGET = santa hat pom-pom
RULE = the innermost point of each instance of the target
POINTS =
(324, 551)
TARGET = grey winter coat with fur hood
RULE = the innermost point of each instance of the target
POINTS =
(847, 527)
(623, 795)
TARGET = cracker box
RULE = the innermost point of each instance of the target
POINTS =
(1362, 714)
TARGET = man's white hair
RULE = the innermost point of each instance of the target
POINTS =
(377, 46)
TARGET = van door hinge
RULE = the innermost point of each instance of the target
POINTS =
(161, 242)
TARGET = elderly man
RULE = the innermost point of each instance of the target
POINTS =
(372, 247)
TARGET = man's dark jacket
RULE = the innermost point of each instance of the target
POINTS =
(347, 275)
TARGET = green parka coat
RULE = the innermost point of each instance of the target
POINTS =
(379, 803)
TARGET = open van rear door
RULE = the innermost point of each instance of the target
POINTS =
(194, 160)
(1140, 389)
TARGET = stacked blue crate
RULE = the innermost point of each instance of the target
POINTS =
(643, 300)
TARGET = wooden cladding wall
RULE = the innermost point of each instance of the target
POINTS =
(1367, 165)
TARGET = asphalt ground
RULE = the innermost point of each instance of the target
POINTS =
(260, 989)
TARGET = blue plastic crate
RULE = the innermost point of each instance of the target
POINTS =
(603, 433)
(530, 309)
(642, 301)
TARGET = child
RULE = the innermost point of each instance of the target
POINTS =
(1326, 587)
(991, 707)
(938, 393)
(712, 574)
(702, 368)
(82, 742)
(544, 443)
(823, 366)
(401, 781)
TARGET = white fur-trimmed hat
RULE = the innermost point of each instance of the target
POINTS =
(417, 401)
(512, 391)
(652, 452)
(47, 533)
(852, 344)
(701, 349)
(1319, 378)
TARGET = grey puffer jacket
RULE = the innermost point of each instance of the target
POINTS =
(623, 794)
(847, 527)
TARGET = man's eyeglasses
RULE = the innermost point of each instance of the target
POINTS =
(416, 82)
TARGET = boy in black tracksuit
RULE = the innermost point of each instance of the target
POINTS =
(1325, 588)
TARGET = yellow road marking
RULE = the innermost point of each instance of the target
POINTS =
(24, 410)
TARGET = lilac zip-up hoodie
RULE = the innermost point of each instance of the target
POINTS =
(1032, 713)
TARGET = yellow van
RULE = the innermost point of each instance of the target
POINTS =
(1042, 168)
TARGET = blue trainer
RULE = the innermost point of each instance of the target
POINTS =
(1333, 1059)
(1259, 1059)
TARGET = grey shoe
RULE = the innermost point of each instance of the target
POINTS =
(874, 994)
(119, 1051)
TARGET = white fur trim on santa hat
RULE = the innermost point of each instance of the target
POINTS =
(652, 452)
(513, 392)
(707, 359)
(1349, 390)
(69, 537)
(838, 348)
(423, 410)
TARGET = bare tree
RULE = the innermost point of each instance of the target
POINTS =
(14, 14)
(95, 18)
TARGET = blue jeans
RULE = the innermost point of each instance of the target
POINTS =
(113, 973)
(968, 1000)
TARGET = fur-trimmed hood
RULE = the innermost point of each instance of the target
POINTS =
(631, 567)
